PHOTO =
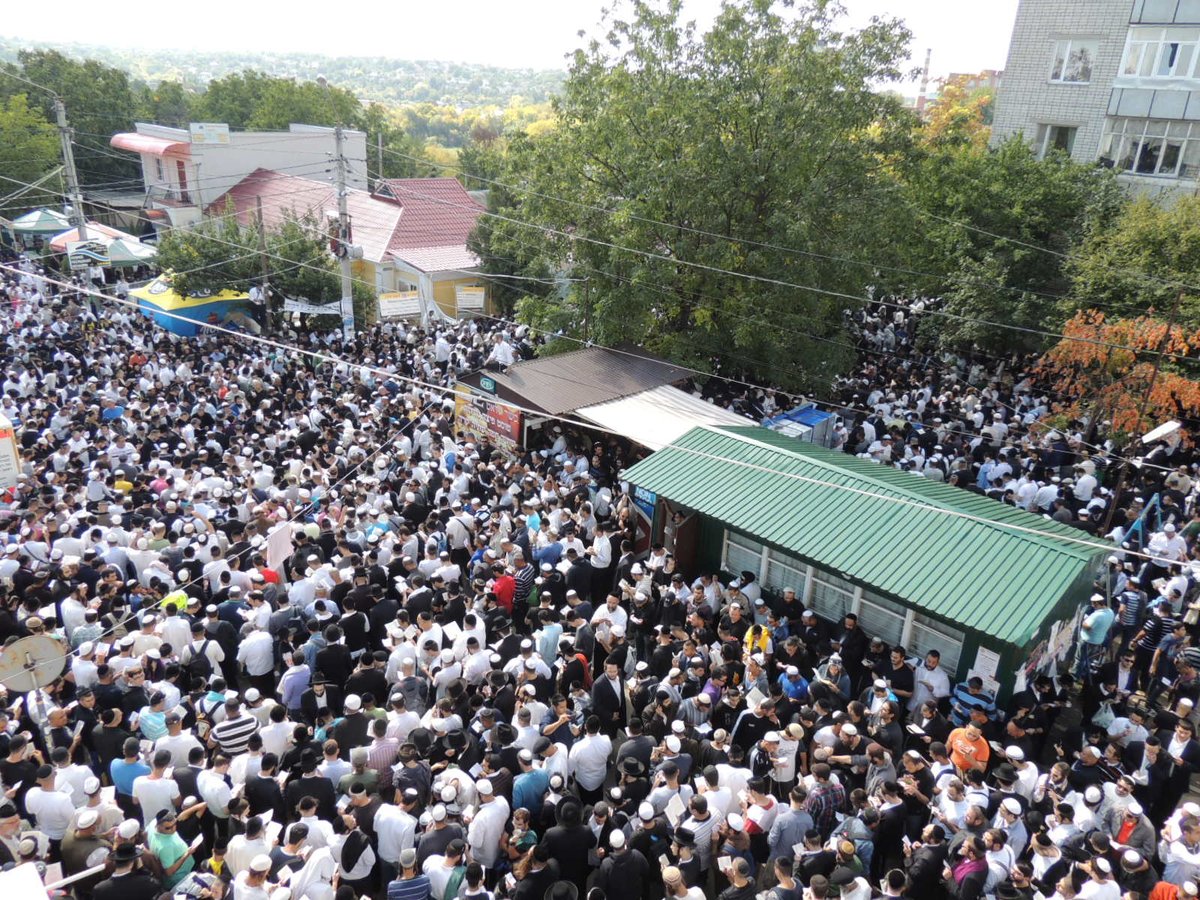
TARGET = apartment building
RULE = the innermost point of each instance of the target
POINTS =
(1116, 82)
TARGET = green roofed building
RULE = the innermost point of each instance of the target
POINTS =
(923, 564)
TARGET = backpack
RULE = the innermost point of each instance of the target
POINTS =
(587, 671)
(199, 666)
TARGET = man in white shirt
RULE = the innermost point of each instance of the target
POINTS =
(588, 761)
(176, 741)
(156, 792)
(256, 653)
(483, 833)
(51, 808)
(930, 682)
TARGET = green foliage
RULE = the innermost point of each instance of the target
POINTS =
(28, 150)
(394, 82)
(1110, 267)
(100, 100)
(983, 222)
(220, 254)
(765, 131)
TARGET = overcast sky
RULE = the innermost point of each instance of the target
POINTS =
(965, 35)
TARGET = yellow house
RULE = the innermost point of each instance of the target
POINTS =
(413, 233)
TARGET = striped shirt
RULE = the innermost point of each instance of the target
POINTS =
(702, 831)
(962, 701)
(409, 889)
(233, 735)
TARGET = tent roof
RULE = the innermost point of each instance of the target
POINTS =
(659, 416)
(41, 221)
(59, 242)
(128, 252)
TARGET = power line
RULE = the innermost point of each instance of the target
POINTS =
(762, 279)
(1107, 548)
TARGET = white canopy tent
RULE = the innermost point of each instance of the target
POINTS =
(659, 416)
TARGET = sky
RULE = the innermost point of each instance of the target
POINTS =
(965, 35)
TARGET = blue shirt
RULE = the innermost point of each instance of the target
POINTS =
(529, 789)
(124, 773)
(409, 889)
(1099, 621)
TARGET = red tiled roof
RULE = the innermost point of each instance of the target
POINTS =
(408, 214)
(373, 220)
(438, 212)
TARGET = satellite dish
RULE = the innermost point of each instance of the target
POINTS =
(32, 662)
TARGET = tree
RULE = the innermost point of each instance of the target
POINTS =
(994, 224)
(961, 113)
(28, 151)
(220, 254)
(169, 103)
(1112, 384)
(713, 152)
(100, 101)
(1135, 265)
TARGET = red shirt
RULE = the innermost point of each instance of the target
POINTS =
(505, 588)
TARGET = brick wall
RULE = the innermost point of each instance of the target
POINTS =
(1027, 98)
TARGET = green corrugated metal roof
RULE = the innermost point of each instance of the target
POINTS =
(979, 574)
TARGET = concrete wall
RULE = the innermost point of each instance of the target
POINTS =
(212, 169)
(1028, 98)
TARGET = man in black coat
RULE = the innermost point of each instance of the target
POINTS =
(312, 784)
(1183, 752)
(1150, 768)
(263, 792)
(924, 861)
(352, 730)
(569, 842)
(311, 700)
(608, 700)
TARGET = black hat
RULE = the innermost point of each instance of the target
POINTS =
(684, 837)
(562, 890)
(125, 853)
(632, 767)
(842, 876)
(568, 813)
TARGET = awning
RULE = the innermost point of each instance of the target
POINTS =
(144, 143)
(40, 221)
(59, 242)
(659, 416)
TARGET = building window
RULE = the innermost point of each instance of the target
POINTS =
(741, 554)
(832, 597)
(1160, 52)
(784, 571)
(1052, 138)
(1073, 60)
(882, 618)
(928, 634)
(159, 173)
(1157, 147)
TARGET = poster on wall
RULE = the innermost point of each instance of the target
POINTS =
(475, 416)
(10, 457)
(644, 501)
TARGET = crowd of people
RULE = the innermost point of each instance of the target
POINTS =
(317, 645)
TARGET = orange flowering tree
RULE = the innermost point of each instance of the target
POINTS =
(1108, 368)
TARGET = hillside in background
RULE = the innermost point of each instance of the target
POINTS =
(395, 82)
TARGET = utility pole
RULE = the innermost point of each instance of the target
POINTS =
(379, 149)
(262, 253)
(347, 307)
(68, 153)
(587, 310)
